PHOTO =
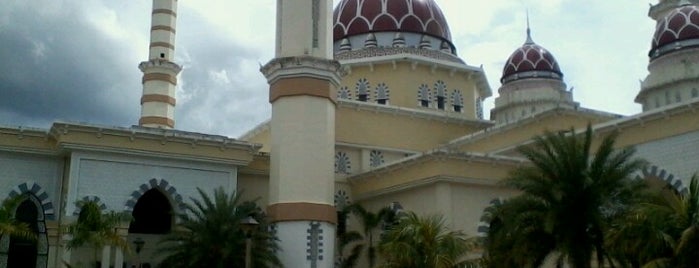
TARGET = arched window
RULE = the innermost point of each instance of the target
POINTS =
(424, 96)
(382, 94)
(695, 93)
(29, 253)
(440, 89)
(344, 93)
(342, 163)
(457, 100)
(678, 96)
(152, 214)
(363, 89)
(375, 158)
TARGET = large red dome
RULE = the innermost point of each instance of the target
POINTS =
(356, 17)
(679, 29)
(530, 61)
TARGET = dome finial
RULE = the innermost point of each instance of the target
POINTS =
(529, 31)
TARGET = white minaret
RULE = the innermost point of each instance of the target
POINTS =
(159, 72)
(303, 79)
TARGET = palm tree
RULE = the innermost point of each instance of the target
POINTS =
(573, 193)
(346, 239)
(96, 228)
(418, 242)
(209, 234)
(511, 231)
(364, 241)
(662, 232)
(9, 224)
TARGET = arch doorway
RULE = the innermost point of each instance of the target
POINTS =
(153, 217)
(152, 214)
(23, 253)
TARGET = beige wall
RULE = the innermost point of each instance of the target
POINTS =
(395, 131)
(403, 80)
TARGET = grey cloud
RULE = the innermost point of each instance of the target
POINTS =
(58, 67)
(228, 103)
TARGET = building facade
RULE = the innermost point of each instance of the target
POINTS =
(371, 104)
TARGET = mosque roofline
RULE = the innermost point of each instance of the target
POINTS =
(436, 154)
(415, 60)
(628, 121)
(57, 139)
(172, 135)
(473, 137)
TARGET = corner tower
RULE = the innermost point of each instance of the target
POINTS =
(532, 82)
(674, 56)
(303, 78)
(160, 72)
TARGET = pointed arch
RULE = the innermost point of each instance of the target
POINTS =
(34, 189)
(90, 198)
(34, 199)
(655, 172)
(164, 186)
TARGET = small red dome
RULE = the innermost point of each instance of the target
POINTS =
(531, 60)
(355, 17)
(676, 30)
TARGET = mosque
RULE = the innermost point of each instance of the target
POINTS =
(371, 104)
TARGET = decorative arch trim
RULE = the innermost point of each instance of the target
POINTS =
(30, 187)
(90, 198)
(663, 175)
(162, 185)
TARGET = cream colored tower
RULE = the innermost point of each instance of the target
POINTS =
(159, 72)
(303, 79)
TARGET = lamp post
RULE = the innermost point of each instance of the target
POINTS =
(139, 246)
(248, 224)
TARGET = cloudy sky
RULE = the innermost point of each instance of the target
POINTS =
(76, 60)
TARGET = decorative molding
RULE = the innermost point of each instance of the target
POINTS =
(372, 52)
(162, 44)
(314, 244)
(90, 198)
(33, 189)
(302, 66)
(376, 159)
(162, 185)
(654, 172)
(164, 11)
(342, 200)
(302, 211)
(163, 28)
(160, 64)
(343, 164)
(158, 98)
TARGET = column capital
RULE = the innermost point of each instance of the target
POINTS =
(302, 66)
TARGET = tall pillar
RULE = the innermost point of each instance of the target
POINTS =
(303, 78)
(160, 72)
